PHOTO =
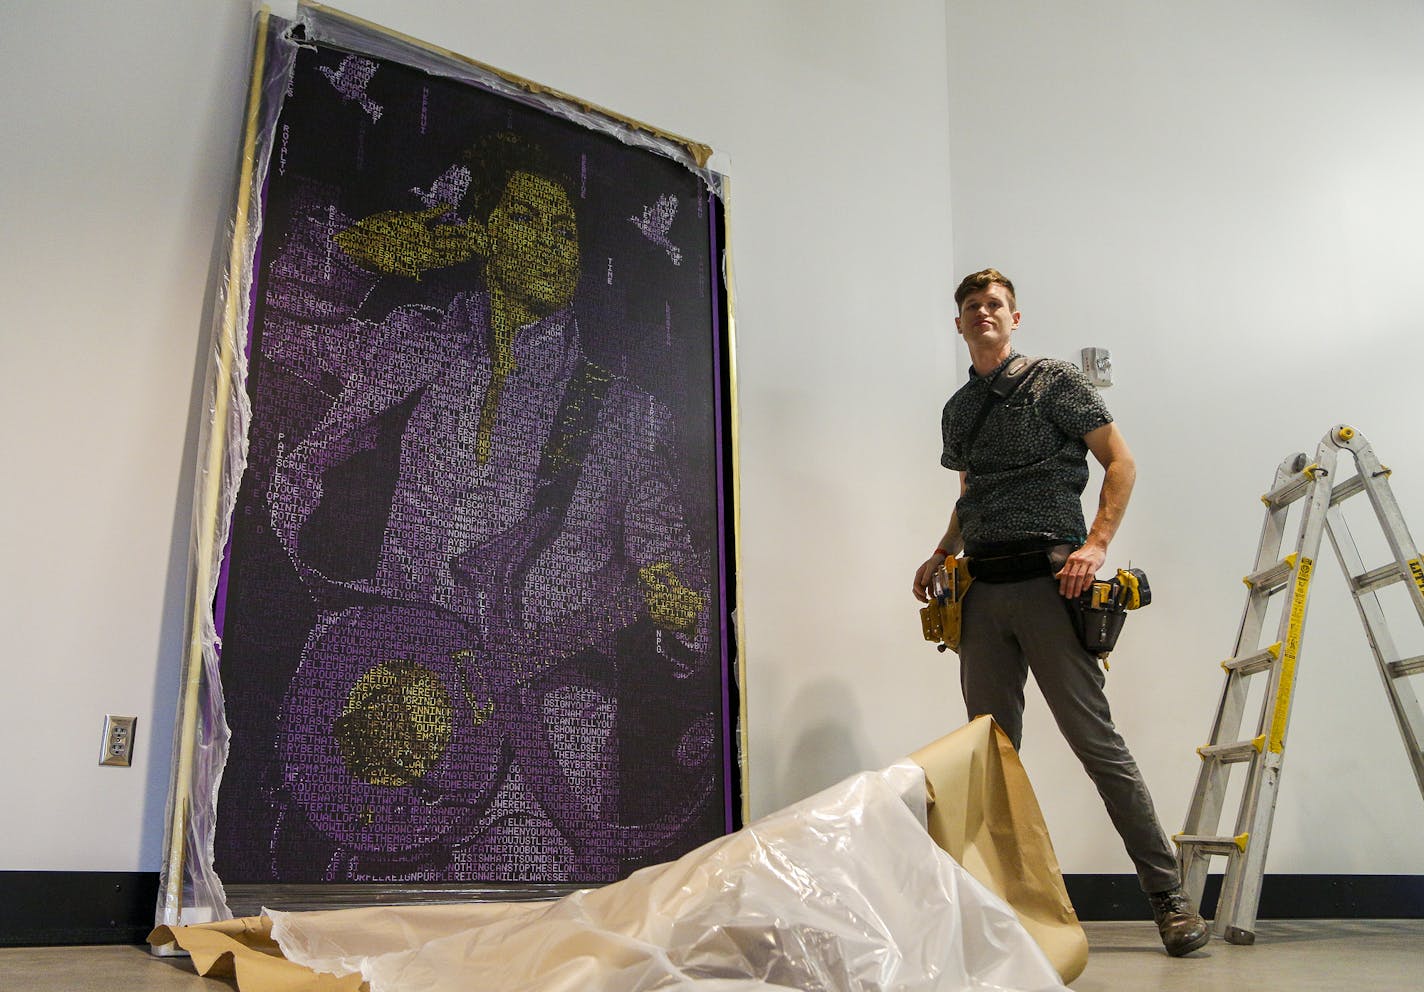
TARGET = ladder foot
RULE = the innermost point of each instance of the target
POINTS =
(1235, 935)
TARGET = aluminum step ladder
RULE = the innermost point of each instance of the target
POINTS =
(1313, 483)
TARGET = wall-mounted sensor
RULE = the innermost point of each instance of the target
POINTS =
(1097, 366)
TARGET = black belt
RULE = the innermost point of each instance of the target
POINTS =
(1011, 568)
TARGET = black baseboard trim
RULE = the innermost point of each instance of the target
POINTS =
(42, 908)
(1283, 897)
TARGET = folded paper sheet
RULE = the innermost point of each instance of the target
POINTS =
(845, 890)
(984, 813)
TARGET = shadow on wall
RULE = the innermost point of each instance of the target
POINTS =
(828, 744)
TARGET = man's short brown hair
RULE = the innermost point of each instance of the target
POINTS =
(977, 281)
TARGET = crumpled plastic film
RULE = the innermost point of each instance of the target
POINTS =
(843, 891)
(189, 889)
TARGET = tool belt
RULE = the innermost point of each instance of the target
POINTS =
(1011, 568)
(1098, 614)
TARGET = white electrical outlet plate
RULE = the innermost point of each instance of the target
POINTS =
(117, 744)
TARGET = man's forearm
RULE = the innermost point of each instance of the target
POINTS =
(948, 547)
(1118, 480)
(953, 541)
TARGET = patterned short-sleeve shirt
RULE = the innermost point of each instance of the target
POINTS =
(1028, 465)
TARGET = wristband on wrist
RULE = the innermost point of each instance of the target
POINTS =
(941, 551)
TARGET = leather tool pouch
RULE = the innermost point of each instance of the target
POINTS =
(943, 617)
(1099, 613)
(1097, 627)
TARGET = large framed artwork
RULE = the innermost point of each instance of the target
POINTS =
(464, 555)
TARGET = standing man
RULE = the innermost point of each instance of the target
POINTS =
(1022, 464)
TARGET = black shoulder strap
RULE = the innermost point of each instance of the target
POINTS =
(1013, 376)
(1001, 387)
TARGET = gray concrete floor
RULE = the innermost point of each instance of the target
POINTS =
(1296, 955)
(1288, 956)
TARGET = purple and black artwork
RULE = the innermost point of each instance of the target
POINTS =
(473, 613)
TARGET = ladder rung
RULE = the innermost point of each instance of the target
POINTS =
(1213, 845)
(1407, 666)
(1291, 490)
(1272, 579)
(1344, 490)
(1230, 753)
(1377, 578)
(1250, 664)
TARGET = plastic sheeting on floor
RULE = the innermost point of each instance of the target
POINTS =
(846, 890)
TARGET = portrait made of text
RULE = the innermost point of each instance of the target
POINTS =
(473, 610)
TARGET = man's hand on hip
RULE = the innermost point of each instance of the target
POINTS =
(1081, 568)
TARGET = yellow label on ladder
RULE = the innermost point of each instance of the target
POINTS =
(1417, 573)
(1288, 656)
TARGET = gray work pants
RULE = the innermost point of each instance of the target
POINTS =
(1016, 627)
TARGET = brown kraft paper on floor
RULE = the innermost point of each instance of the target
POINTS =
(984, 814)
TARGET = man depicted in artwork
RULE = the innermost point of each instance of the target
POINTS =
(486, 519)
(1022, 464)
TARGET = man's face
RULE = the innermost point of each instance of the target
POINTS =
(987, 317)
(533, 245)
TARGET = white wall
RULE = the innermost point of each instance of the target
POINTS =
(121, 125)
(1227, 196)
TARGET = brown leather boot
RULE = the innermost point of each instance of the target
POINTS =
(1182, 929)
